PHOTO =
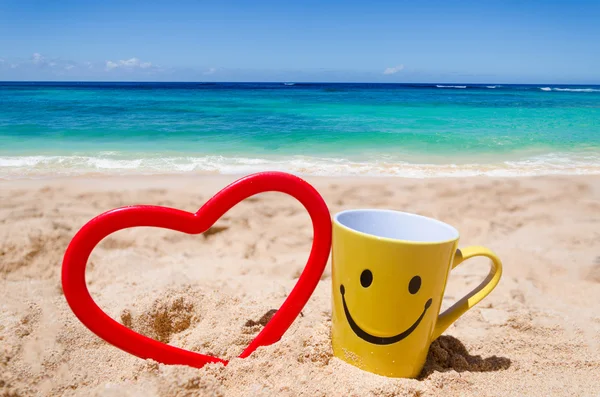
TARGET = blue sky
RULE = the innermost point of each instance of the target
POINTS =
(364, 41)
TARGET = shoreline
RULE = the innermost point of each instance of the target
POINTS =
(404, 171)
(372, 164)
(173, 180)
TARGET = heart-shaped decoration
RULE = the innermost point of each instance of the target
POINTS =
(80, 248)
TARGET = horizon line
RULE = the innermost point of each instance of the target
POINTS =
(284, 82)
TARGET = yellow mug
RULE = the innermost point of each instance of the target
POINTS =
(389, 274)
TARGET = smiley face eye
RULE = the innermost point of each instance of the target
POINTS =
(366, 278)
(414, 285)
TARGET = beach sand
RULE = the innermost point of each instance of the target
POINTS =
(538, 333)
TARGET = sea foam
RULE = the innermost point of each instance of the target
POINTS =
(451, 86)
(48, 166)
(570, 89)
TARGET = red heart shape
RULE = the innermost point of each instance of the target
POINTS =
(80, 248)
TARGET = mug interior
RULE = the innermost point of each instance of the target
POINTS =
(397, 225)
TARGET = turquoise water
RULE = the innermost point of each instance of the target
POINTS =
(324, 129)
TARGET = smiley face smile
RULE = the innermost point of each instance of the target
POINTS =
(379, 340)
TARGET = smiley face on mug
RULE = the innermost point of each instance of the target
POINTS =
(370, 282)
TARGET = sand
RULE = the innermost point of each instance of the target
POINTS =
(538, 333)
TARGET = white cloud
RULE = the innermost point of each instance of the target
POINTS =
(41, 61)
(132, 63)
(43, 66)
(37, 58)
(111, 65)
(393, 70)
(48, 67)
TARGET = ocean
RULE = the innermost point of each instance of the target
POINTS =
(405, 130)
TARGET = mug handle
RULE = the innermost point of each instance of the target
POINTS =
(472, 298)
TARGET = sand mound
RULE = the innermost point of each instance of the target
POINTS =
(163, 319)
(448, 353)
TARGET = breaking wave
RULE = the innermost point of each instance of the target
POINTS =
(570, 89)
(17, 167)
(451, 86)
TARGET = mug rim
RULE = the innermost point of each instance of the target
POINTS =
(395, 240)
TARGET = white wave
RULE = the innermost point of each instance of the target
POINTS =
(492, 86)
(570, 89)
(577, 89)
(451, 86)
(13, 167)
